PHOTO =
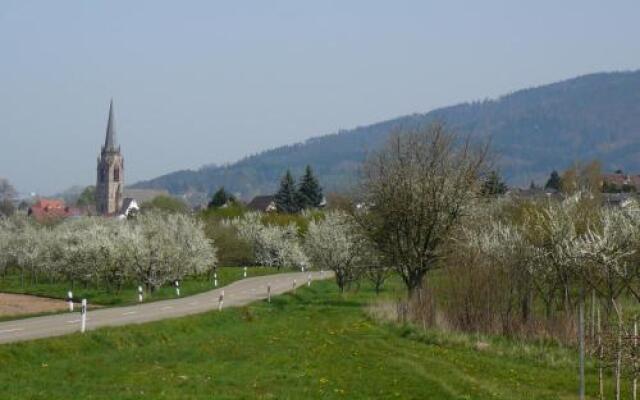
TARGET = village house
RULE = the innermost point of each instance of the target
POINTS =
(620, 182)
(263, 204)
(129, 207)
(50, 210)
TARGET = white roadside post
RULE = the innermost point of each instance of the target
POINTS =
(294, 286)
(321, 274)
(83, 318)
(140, 294)
(177, 283)
(245, 272)
(309, 280)
(215, 279)
(70, 300)
(269, 292)
(220, 300)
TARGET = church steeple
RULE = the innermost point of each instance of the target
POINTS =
(110, 140)
(110, 172)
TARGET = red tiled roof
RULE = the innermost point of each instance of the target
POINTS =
(46, 210)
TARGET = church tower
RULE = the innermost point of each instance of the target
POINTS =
(110, 179)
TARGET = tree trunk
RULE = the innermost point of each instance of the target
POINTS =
(526, 307)
(593, 315)
(414, 281)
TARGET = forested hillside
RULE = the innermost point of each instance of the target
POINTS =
(533, 130)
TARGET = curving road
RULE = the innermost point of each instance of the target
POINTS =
(236, 294)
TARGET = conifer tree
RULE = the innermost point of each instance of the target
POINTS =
(309, 191)
(554, 181)
(286, 197)
(220, 198)
(493, 185)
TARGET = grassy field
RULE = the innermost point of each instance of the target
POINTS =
(312, 344)
(129, 294)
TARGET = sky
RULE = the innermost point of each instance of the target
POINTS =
(202, 82)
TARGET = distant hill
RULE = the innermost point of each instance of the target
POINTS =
(533, 130)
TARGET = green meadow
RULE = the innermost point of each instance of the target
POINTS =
(315, 343)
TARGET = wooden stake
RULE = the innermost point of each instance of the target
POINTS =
(635, 364)
(581, 340)
(601, 356)
(619, 350)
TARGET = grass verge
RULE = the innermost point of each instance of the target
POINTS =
(129, 293)
(312, 344)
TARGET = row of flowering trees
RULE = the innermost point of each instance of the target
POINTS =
(156, 249)
(552, 251)
(151, 250)
(563, 269)
(332, 241)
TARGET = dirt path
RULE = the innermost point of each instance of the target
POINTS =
(20, 304)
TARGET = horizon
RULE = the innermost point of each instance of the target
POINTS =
(266, 75)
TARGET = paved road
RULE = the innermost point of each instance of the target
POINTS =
(236, 294)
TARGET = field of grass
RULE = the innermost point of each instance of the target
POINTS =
(129, 294)
(312, 344)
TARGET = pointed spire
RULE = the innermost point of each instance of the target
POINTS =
(110, 140)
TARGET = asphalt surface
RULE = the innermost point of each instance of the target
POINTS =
(236, 294)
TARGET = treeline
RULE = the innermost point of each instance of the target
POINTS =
(290, 198)
(590, 177)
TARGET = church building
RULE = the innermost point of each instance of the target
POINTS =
(110, 177)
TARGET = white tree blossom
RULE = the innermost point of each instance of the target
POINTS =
(334, 243)
(166, 248)
(153, 249)
(602, 255)
(273, 245)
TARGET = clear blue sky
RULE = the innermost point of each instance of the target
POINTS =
(199, 82)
